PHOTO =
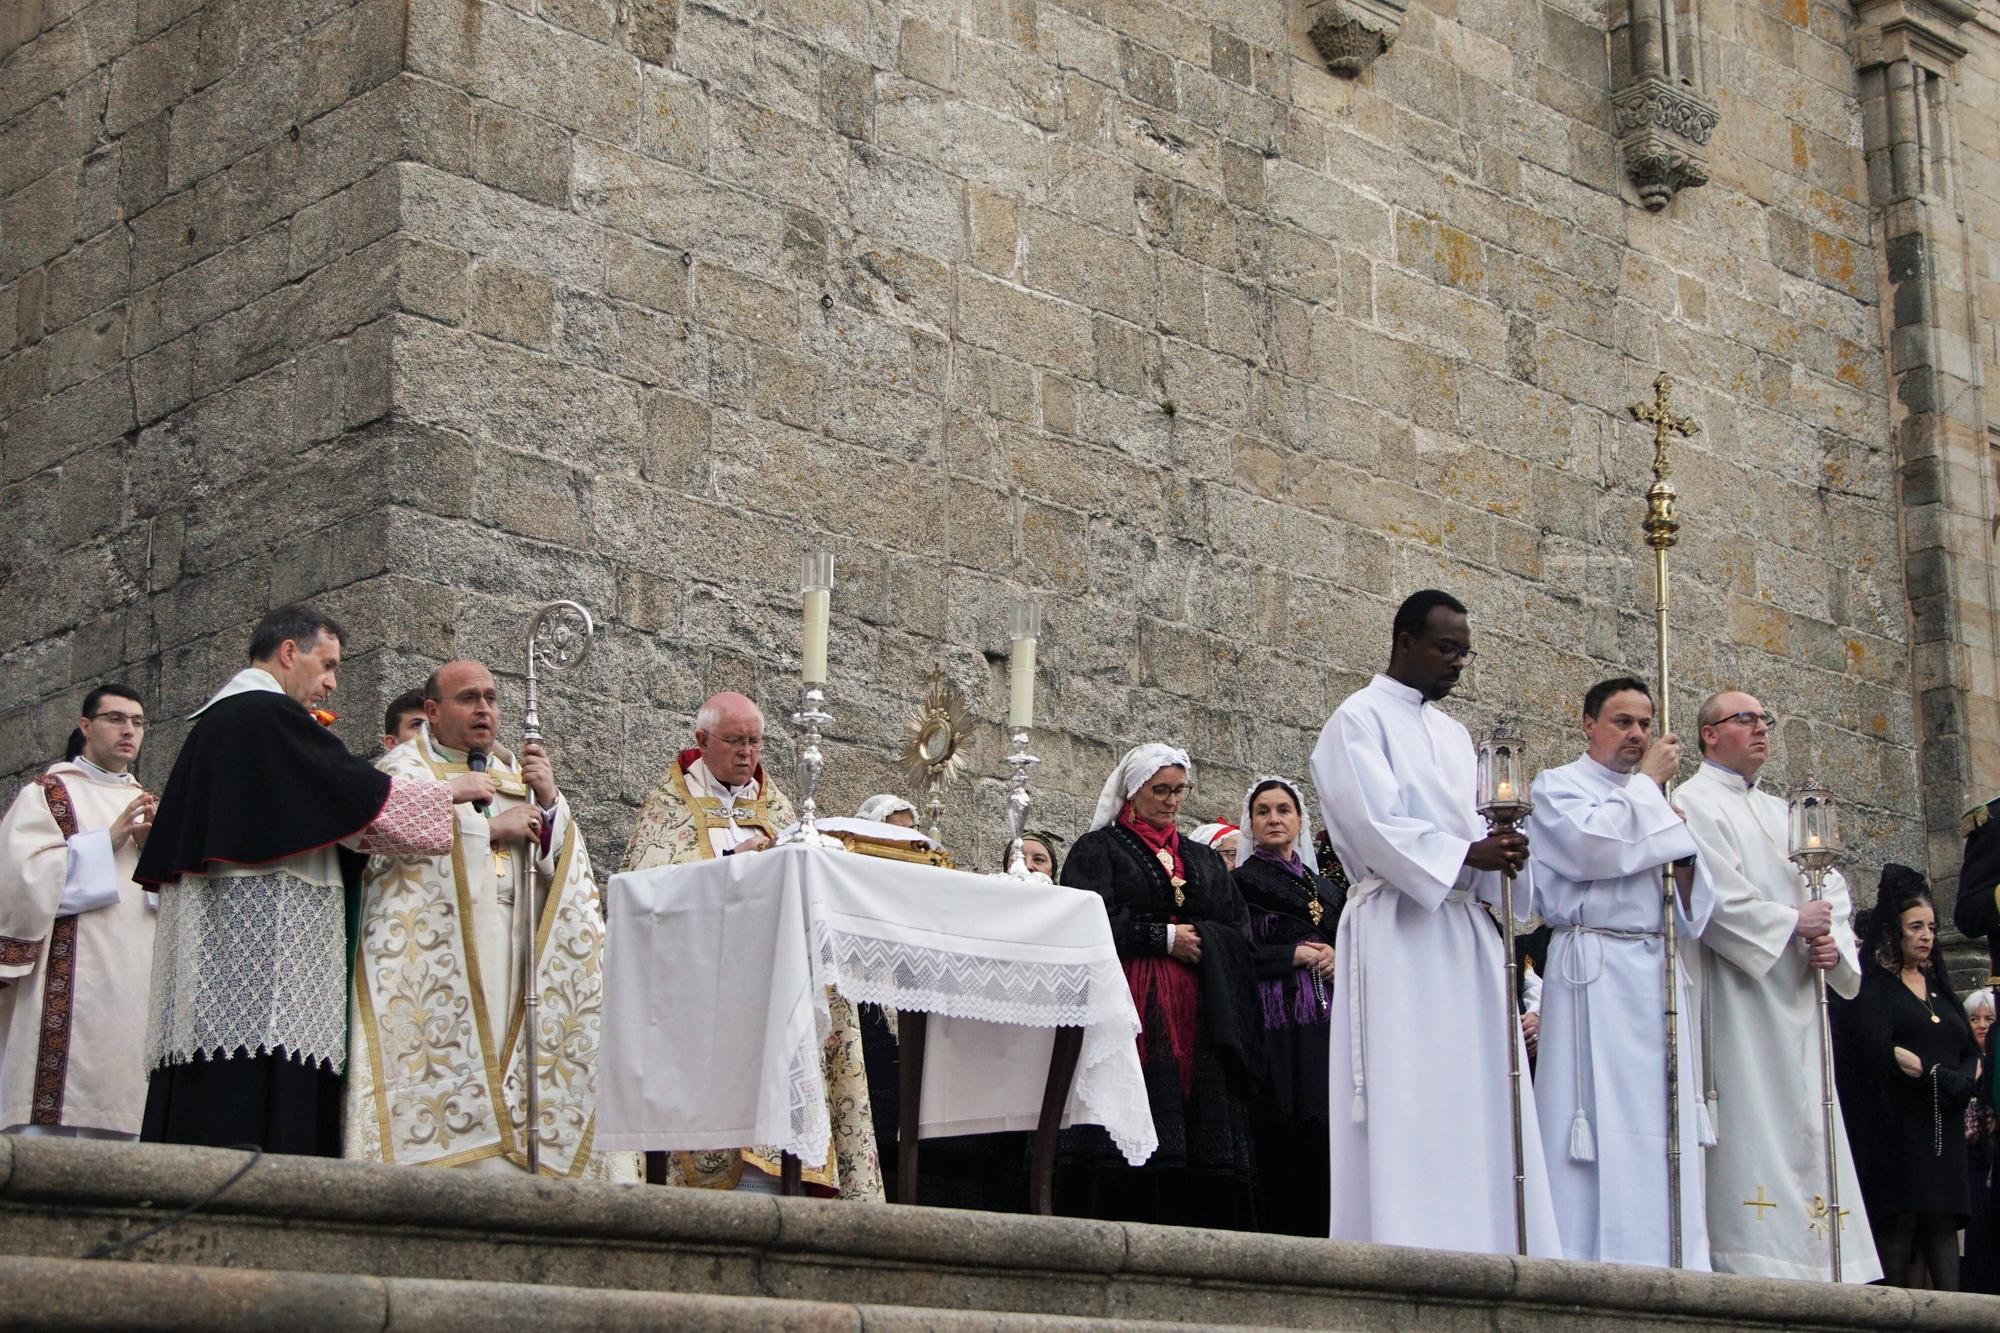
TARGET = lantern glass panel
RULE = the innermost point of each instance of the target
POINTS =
(1812, 825)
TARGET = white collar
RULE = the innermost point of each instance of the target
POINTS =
(1397, 690)
(1605, 771)
(702, 775)
(499, 756)
(1729, 776)
(246, 681)
(96, 774)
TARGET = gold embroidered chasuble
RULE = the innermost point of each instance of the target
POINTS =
(436, 1012)
(673, 829)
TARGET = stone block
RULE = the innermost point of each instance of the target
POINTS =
(518, 153)
(492, 52)
(88, 278)
(86, 349)
(250, 106)
(674, 124)
(50, 430)
(1018, 323)
(37, 223)
(1090, 267)
(152, 77)
(661, 203)
(51, 134)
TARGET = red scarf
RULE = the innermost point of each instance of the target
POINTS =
(1166, 840)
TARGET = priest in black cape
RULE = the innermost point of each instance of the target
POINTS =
(257, 844)
(1294, 912)
(1182, 932)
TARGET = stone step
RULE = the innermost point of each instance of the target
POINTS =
(295, 1221)
(76, 1294)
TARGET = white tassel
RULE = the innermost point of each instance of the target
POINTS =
(1704, 1125)
(1582, 1143)
(1358, 1112)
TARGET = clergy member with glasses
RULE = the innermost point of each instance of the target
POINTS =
(1396, 779)
(1182, 933)
(76, 934)
(1767, 1206)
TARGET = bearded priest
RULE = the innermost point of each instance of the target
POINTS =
(436, 1064)
(715, 799)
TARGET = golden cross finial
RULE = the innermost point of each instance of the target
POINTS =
(1662, 418)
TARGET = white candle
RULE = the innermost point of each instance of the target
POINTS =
(812, 659)
(1505, 792)
(1021, 713)
(1812, 839)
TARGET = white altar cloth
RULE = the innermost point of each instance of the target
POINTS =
(715, 977)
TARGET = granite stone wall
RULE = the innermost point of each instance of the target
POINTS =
(437, 309)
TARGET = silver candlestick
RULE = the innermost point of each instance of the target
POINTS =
(810, 717)
(1019, 801)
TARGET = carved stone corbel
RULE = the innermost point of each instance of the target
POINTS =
(1349, 34)
(1663, 132)
(1663, 112)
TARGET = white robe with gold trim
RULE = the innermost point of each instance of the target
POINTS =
(436, 1013)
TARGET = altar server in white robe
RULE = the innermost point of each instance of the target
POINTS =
(76, 935)
(1602, 832)
(1421, 1139)
(1767, 1206)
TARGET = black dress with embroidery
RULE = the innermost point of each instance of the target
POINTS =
(1295, 1007)
(1204, 1172)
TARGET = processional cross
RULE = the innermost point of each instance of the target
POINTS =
(1662, 528)
(1662, 418)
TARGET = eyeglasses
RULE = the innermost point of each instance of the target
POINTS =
(1451, 652)
(740, 742)
(1163, 791)
(1748, 719)
(132, 720)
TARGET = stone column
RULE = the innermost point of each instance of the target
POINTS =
(1907, 52)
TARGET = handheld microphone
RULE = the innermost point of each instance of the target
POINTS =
(476, 761)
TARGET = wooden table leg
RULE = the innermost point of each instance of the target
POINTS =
(1055, 1096)
(911, 1028)
(789, 1184)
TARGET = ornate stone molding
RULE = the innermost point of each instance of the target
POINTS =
(1926, 31)
(1663, 113)
(1349, 34)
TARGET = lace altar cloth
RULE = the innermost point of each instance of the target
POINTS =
(715, 979)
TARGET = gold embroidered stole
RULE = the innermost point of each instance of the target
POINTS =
(706, 811)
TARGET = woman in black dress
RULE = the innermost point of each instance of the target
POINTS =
(1182, 933)
(1294, 911)
(1912, 1060)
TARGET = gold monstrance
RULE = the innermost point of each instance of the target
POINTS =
(1663, 527)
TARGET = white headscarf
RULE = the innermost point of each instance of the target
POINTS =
(881, 806)
(1134, 771)
(1302, 845)
(1210, 834)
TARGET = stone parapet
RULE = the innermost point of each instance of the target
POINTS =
(421, 1232)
